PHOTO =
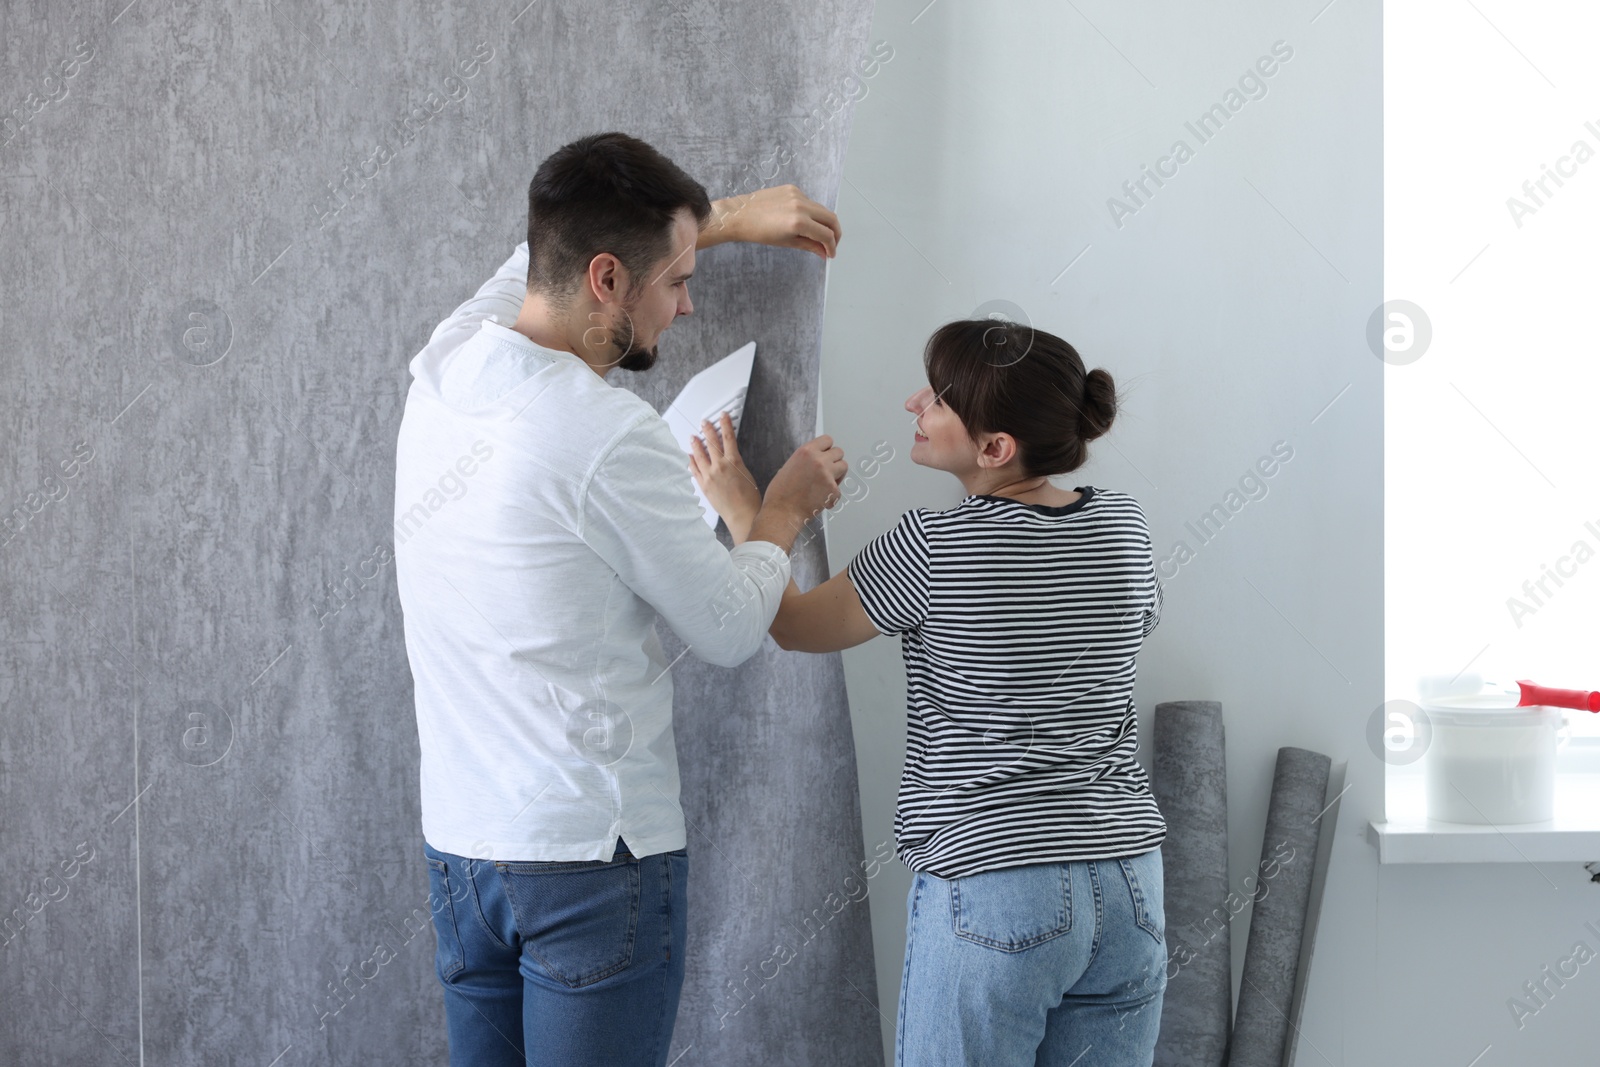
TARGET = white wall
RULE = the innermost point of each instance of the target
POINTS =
(1232, 310)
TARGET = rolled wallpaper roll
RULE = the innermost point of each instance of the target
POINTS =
(1191, 787)
(1277, 923)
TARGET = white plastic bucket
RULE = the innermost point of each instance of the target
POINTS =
(1490, 764)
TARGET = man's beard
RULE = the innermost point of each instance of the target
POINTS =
(629, 354)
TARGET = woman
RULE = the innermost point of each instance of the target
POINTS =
(1035, 932)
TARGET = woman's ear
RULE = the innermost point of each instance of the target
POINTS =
(996, 450)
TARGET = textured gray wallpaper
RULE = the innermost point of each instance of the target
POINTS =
(226, 231)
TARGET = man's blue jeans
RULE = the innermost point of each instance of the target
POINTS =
(1047, 964)
(559, 963)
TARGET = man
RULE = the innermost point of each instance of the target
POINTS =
(543, 518)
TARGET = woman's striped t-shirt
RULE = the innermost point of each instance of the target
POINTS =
(1019, 625)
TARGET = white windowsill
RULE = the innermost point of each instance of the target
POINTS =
(1408, 836)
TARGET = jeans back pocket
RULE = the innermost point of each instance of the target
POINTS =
(1013, 908)
(449, 959)
(578, 919)
(1144, 876)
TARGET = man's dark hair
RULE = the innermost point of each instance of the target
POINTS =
(607, 192)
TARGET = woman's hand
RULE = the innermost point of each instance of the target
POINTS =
(781, 216)
(723, 478)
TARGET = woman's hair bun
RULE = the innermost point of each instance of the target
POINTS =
(1099, 406)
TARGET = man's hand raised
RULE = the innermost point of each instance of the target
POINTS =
(781, 216)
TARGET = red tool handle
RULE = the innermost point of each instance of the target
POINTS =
(1580, 699)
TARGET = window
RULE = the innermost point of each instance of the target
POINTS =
(1492, 240)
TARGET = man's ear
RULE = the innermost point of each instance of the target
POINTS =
(605, 278)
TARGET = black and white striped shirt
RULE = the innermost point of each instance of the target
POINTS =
(1019, 624)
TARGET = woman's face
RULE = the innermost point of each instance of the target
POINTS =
(939, 438)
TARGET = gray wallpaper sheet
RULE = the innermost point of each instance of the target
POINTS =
(226, 231)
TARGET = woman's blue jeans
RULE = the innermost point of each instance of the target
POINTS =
(1043, 965)
(559, 963)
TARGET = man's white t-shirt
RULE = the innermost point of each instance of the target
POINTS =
(543, 519)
